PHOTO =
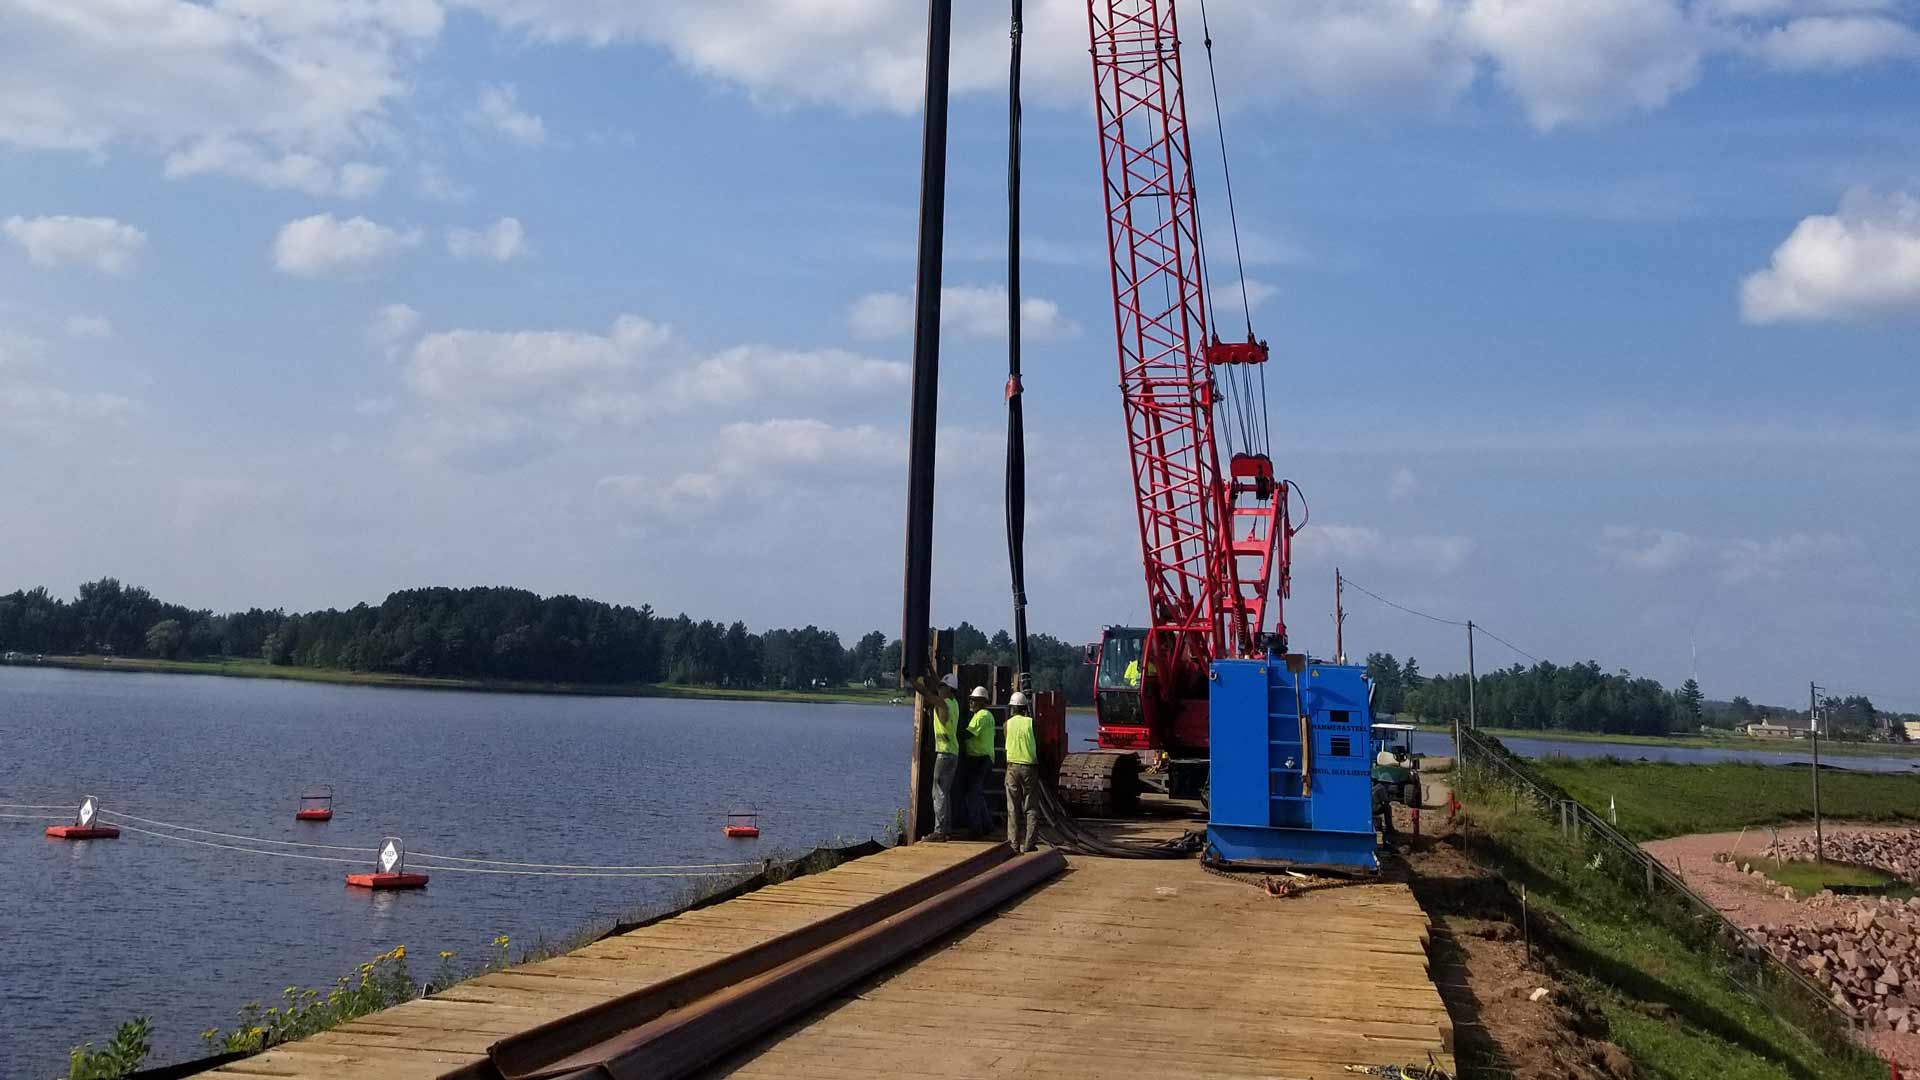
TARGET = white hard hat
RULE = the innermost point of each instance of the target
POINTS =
(950, 681)
(979, 692)
(1018, 700)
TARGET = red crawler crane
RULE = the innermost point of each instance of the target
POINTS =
(1216, 544)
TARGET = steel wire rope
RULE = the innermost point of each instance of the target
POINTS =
(1220, 129)
(117, 817)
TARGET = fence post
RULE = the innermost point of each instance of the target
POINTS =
(1649, 875)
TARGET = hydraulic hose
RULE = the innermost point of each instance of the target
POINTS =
(1016, 493)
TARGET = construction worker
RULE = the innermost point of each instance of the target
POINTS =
(944, 705)
(976, 765)
(1023, 779)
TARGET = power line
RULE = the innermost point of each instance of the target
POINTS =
(1508, 644)
(1403, 607)
(1445, 622)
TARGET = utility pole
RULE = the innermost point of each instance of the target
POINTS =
(1813, 732)
(1473, 717)
(1339, 618)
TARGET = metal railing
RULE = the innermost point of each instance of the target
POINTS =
(1748, 964)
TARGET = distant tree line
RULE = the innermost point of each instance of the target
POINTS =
(496, 633)
(1583, 698)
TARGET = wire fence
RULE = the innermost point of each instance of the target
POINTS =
(1742, 960)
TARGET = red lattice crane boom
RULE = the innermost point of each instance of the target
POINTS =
(1215, 543)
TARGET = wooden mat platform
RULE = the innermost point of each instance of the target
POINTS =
(1154, 969)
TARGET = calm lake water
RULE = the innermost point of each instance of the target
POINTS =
(94, 933)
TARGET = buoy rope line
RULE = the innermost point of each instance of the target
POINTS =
(722, 869)
(413, 864)
(33, 817)
(115, 816)
(36, 806)
(574, 866)
(248, 850)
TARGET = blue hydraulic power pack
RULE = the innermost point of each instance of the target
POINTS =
(1291, 763)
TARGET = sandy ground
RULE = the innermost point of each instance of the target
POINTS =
(1749, 901)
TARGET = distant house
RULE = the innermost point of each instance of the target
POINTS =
(1913, 730)
(1764, 730)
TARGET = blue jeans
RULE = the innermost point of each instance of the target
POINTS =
(945, 767)
(974, 774)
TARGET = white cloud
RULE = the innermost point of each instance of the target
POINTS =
(1775, 558)
(18, 351)
(100, 242)
(1565, 61)
(499, 109)
(498, 398)
(1837, 42)
(432, 181)
(1589, 60)
(785, 455)
(97, 327)
(322, 244)
(1862, 261)
(392, 326)
(50, 414)
(972, 310)
(290, 171)
(502, 241)
(1362, 544)
(285, 77)
(1653, 551)
(1402, 484)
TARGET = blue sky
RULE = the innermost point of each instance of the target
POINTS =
(1591, 321)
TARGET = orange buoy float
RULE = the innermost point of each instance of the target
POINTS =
(84, 826)
(390, 869)
(742, 824)
(316, 804)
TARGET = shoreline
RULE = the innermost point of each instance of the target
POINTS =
(259, 669)
(1743, 743)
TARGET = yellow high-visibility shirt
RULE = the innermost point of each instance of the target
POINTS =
(946, 728)
(1022, 747)
(980, 735)
(1133, 673)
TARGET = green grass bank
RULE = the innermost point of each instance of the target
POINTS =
(1662, 985)
(1729, 741)
(1658, 800)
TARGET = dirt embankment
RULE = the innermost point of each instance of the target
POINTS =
(1512, 1014)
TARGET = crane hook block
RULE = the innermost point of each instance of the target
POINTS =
(1244, 352)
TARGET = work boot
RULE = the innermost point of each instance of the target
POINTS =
(1030, 848)
(939, 837)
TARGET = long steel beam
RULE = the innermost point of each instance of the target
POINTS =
(680, 1043)
(531, 1052)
